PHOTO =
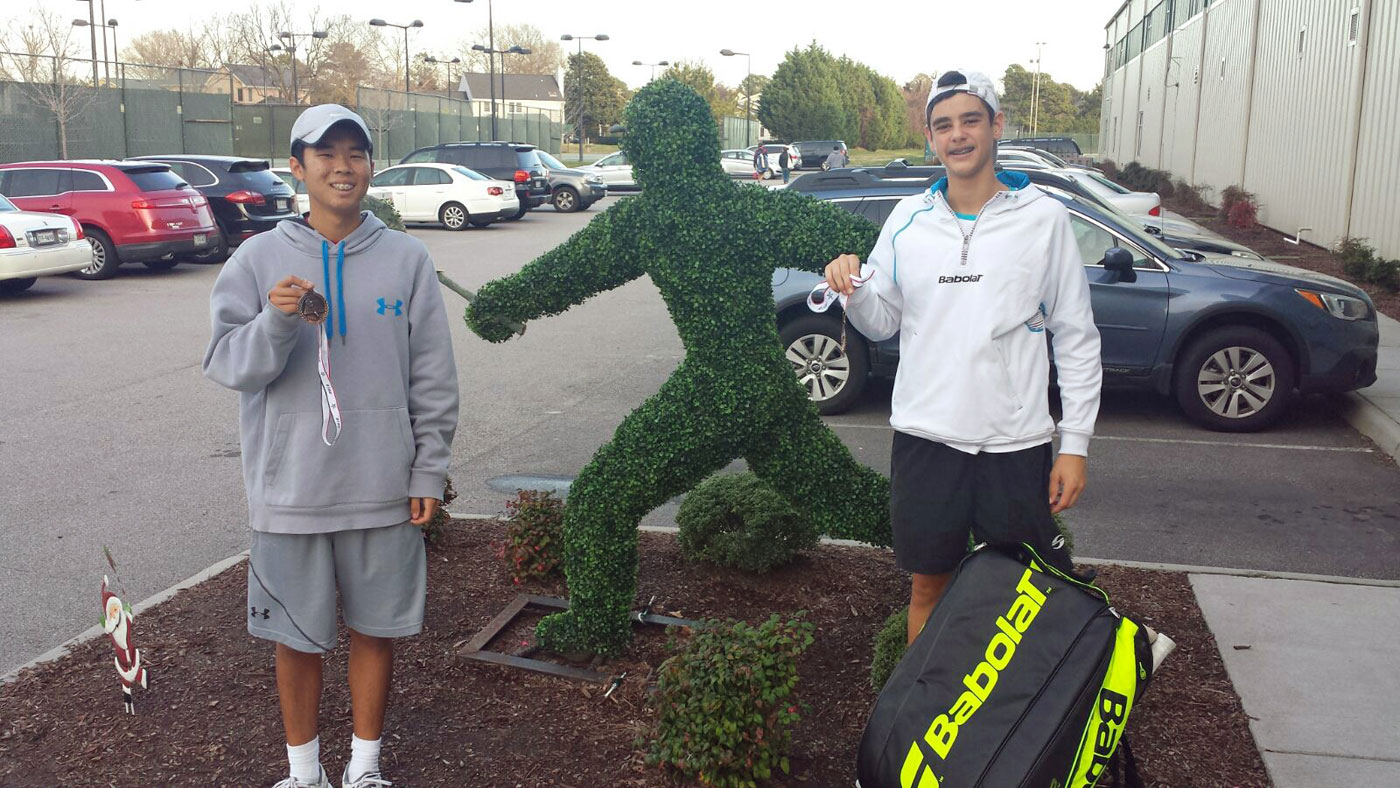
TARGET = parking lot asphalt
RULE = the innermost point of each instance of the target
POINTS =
(110, 436)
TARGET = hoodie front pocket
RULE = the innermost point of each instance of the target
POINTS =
(369, 463)
(1008, 379)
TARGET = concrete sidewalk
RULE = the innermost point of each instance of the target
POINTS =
(1314, 665)
(1375, 410)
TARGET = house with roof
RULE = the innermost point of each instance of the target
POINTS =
(252, 84)
(516, 92)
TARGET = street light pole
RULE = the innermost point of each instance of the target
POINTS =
(581, 94)
(92, 34)
(653, 66)
(404, 28)
(291, 38)
(1035, 91)
(448, 63)
(490, 50)
(112, 25)
(748, 99)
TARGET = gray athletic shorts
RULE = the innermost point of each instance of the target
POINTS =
(381, 573)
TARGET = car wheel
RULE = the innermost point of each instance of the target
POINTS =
(1235, 379)
(8, 286)
(524, 208)
(454, 216)
(161, 265)
(217, 253)
(566, 200)
(104, 256)
(833, 380)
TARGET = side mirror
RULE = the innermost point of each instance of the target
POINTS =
(1120, 261)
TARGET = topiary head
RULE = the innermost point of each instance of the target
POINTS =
(671, 138)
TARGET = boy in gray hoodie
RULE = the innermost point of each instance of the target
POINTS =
(333, 330)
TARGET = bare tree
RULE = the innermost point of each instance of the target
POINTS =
(383, 111)
(172, 48)
(42, 52)
(546, 55)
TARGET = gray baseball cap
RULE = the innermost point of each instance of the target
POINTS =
(951, 82)
(313, 124)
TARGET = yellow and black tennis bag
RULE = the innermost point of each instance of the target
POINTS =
(1023, 676)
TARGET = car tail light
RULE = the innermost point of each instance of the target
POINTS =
(495, 191)
(77, 230)
(1156, 211)
(142, 205)
(522, 176)
(245, 197)
(199, 201)
(7, 241)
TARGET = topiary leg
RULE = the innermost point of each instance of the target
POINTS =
(810, 466)
(665, 447)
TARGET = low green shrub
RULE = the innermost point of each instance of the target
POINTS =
(385, 210)
(1385, 274)
(433, 531)
(534, 547)
(738, 520)
(1357, 258)
(1193, 199)
(890, 645)
(725, 705)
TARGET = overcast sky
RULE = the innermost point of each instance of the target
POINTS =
(897, 38)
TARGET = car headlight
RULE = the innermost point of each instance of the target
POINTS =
(1340, 306)
(1245, 254)
(594, 179)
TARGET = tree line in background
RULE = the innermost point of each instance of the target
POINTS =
(813, 94)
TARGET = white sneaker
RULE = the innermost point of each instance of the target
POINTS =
(324, 781)
(368, 780)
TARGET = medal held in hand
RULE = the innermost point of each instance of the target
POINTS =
(314, 308)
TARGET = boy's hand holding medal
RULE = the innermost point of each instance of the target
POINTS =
(287, 296)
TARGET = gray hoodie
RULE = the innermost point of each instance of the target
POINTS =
(391, 365)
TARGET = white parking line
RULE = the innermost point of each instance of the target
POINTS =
(1186, 441)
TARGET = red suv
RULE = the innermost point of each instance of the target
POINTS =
(131, 212)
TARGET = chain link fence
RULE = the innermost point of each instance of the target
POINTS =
(51, 108)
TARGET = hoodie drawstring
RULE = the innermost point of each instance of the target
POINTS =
(340, 288)
(339, 310)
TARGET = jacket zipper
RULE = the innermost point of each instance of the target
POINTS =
(967, 239)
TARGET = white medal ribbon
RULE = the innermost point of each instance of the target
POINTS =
(330, 406)
(822, 296)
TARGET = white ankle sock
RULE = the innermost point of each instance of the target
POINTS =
(305, 760)
(364, 757)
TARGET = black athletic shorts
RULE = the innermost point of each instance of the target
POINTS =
(938, 495)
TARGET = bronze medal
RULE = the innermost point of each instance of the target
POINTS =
(313, 307)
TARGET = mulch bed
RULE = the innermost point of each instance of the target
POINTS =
(211, 717)
(1271, 244)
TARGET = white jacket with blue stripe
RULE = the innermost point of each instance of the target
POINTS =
(971, 312)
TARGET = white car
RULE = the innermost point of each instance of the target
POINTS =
(774, 151)
(1136, 204)
(303, 199)
(614, 169)
(36, 244)
(737, 163)
(447, 194)
(1019, 159)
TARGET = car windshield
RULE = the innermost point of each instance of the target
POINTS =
(1045, 154)
(155, 179)
(6, 206)
(528, 159)
(1097, 178)
(551, 162)
(256, 176)
(473, 174)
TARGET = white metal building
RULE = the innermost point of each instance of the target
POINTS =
(1298, 101)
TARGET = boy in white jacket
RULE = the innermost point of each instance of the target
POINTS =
(971, 274)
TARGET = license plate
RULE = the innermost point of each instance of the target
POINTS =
(282, 205)
(200, 239)
(45, 237)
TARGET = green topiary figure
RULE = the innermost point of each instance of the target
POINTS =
(710, 246)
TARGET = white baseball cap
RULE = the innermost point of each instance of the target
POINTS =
(313, 124)
(951, 82)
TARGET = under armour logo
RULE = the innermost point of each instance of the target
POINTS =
(253, 611)
(384, 305)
